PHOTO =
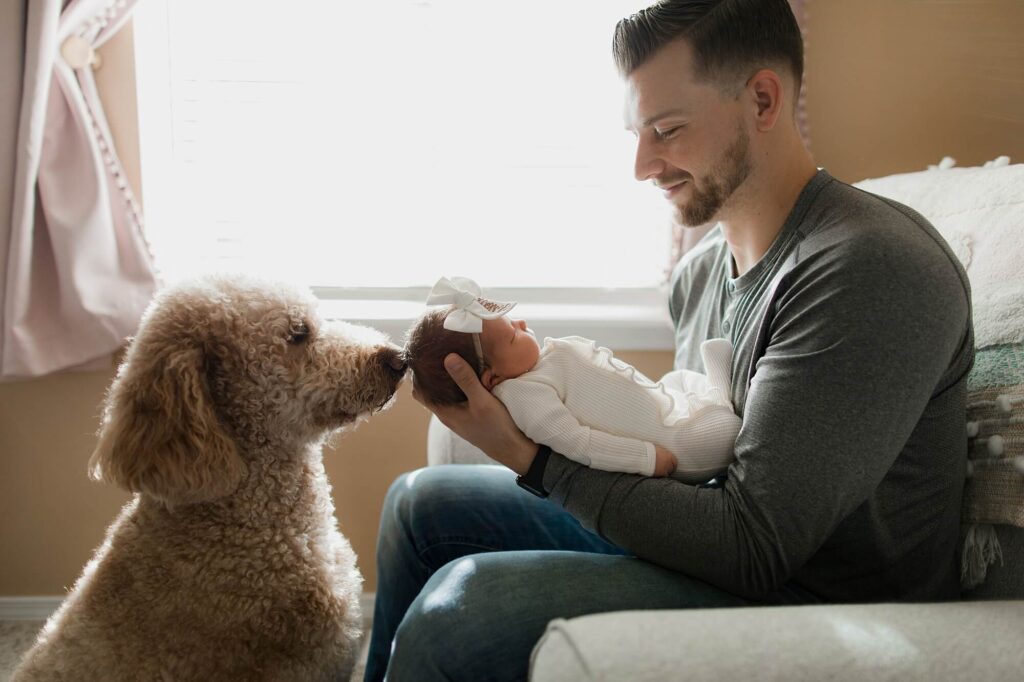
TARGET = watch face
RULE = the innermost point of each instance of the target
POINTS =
(525, 485)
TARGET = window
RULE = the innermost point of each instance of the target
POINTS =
(366, 149)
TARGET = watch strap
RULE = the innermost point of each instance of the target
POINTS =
(533, 480)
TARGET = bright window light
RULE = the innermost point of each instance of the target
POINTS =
(387, 143)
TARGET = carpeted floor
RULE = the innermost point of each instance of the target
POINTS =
(16, 636)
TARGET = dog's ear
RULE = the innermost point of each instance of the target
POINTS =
(160, 434)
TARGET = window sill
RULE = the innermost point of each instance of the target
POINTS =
(620, 327)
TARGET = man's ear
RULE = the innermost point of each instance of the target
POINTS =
(490, 379)
(769, 96)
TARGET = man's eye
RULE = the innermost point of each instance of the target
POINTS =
(298, 333)
(665, 134)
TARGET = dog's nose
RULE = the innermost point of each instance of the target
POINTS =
(392, 358)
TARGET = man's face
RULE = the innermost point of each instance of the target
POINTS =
(691, 140)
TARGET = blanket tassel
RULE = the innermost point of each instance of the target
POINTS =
(981, 548)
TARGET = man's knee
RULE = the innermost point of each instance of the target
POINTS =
(397, 513)
(431, 492)
(395, 499)
(447, 604)
(415, 494)
(418, 500)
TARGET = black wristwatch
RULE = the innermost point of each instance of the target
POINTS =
(533, 480)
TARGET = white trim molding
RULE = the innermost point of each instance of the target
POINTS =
(28, 608)
(41, 608)
(620, 319)
(366, 601)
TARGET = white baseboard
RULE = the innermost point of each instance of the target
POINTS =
(41, 608)
(366, 604)
(28, 608)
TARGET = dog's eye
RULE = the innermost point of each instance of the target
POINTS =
(298, 333)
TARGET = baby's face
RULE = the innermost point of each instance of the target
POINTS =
(509, 348)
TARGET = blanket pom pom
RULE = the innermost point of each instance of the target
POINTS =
(996, 445)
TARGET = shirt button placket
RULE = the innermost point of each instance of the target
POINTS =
(727, 324)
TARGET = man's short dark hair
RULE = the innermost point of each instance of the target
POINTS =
(730, 38)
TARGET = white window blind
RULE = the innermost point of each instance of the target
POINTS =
(387, 143)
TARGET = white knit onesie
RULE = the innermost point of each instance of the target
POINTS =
(592, 408)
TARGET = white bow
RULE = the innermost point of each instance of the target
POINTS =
(470, 308)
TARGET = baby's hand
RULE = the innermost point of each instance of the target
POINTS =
(664, 461)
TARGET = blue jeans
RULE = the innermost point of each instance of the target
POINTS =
(470, 569)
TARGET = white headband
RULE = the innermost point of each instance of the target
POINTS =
(469, 308)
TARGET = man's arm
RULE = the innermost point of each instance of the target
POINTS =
(855, 350)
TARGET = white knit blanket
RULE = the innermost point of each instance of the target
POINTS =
(980, 212)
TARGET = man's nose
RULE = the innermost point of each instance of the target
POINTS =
(647, 164)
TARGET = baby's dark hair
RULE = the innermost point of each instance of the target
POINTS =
(426, 346)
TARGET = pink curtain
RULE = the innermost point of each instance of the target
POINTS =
(78, 271)
(685, 238)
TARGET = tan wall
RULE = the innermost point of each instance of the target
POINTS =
(892, 86)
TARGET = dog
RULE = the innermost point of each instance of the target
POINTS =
(228, 563)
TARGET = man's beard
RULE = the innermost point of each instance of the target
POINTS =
(726, 175)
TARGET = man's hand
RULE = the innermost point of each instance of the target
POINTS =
(664, 461)
(483, 420)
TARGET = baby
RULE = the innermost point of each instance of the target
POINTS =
(574, 396)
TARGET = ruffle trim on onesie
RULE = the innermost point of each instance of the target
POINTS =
(673, 397)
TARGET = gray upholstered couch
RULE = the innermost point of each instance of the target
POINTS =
(980, 211)
(970, 640)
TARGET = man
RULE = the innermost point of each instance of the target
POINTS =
(850, 319)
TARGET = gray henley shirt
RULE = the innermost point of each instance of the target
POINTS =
(853, 340)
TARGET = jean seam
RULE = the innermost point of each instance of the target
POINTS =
(457, 541)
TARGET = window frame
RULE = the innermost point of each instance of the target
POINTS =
(633, 318)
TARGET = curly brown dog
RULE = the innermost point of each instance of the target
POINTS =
(228, 563)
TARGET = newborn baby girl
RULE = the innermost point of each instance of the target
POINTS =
(573, 395)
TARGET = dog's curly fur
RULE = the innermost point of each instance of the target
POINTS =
(227, 564)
